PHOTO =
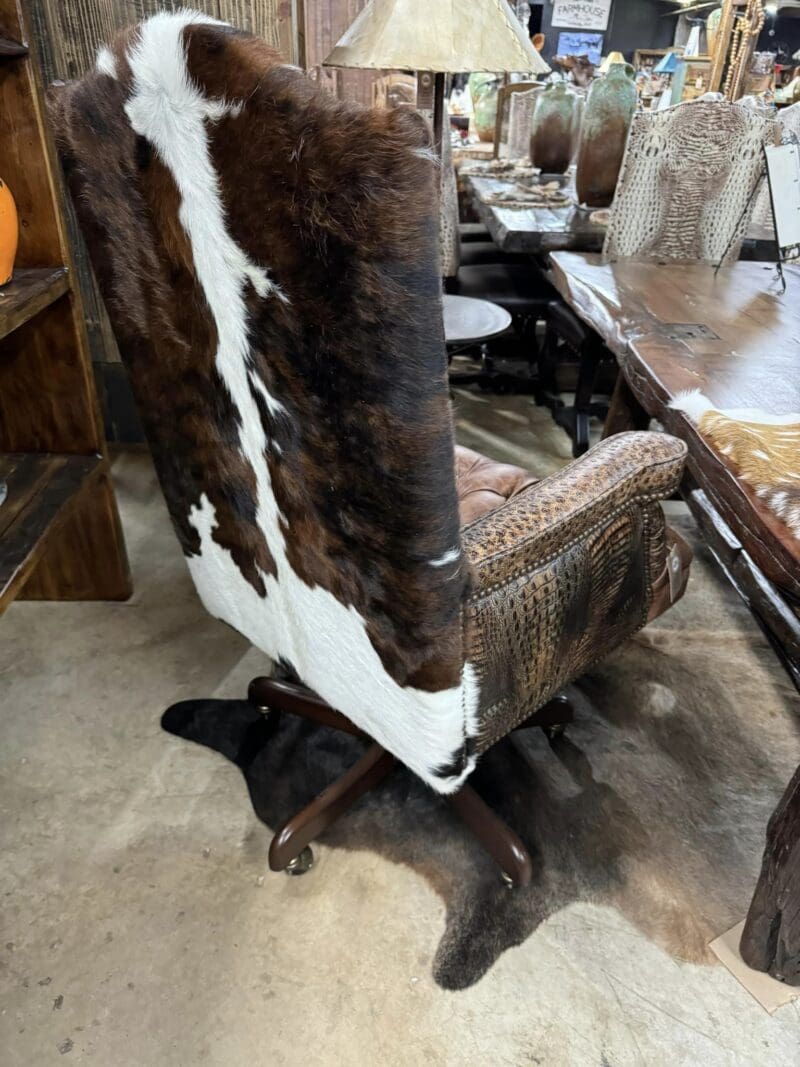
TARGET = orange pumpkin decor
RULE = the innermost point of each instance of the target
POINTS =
(9, 233)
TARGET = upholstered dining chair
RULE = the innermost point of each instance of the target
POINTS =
(685, 193)
(268, 257)
(688, 180)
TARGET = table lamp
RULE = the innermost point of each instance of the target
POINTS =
(441, 36)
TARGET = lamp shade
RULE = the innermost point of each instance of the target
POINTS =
(448, 36)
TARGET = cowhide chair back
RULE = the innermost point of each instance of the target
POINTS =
(269, 260)
(687, 181)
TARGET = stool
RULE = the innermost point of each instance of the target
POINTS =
(469, 322)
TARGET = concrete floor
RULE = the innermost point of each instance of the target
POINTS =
(139, 922)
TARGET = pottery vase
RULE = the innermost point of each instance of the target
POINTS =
(9, 233)
(483, 90)
(604, 132)
(556, 121)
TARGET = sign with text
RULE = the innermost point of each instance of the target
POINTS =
(581, 14)
(783, 172)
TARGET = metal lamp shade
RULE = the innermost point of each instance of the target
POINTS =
(446, 36)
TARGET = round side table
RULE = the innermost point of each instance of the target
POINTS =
(468, 322)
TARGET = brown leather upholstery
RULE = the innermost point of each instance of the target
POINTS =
(671, 584)
(565, 569)
(484, 484)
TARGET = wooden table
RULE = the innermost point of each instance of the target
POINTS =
(539, 230)
(533, 230)
(733, 337)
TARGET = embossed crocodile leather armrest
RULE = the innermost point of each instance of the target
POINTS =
(564, 508)
(568, 569)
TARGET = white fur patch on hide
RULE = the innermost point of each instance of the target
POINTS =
(106, 63)
(326, 642)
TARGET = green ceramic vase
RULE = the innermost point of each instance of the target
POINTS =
(604, 132)
(483, 90)
(556, 121)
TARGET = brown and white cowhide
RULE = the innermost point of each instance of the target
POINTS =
(764, 449)
(268, 257)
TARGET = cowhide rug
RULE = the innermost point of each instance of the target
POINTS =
(655, 802)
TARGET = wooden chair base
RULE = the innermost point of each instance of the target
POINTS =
(290, 849)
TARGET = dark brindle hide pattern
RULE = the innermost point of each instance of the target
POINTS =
(333, 210)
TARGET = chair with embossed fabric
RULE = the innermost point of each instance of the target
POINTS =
(268, 258)
(685, 193)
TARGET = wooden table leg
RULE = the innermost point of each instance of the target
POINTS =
(625, 411)
(771, 936)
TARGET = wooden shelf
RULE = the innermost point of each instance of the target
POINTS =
(28, 293)
(60, 534)
(11, 49)
(40, 488)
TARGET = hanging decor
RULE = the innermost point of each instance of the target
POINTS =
(737, 30)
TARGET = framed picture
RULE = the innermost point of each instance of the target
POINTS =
(581, 14)
(692, 79)
(574, 43)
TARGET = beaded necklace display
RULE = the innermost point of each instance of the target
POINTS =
(746, 28)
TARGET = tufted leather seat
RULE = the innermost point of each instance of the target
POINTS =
(483, 484)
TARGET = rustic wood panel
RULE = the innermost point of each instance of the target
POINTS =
(29, 293)
(71, 568)
(41, 491)
(270, 19)
(129, 11)
(325, 22)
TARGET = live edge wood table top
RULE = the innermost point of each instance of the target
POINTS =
(734, 337)
(533, 230)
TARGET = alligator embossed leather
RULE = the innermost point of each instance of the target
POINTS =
(687, 183)
(763, 449)
(268, 254)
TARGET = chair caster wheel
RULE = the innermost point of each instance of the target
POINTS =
(302, 863)
(552, 733)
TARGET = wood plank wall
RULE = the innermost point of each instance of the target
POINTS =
(69, 34)
(324, 23)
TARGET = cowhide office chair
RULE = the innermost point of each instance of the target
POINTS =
(268, 256)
